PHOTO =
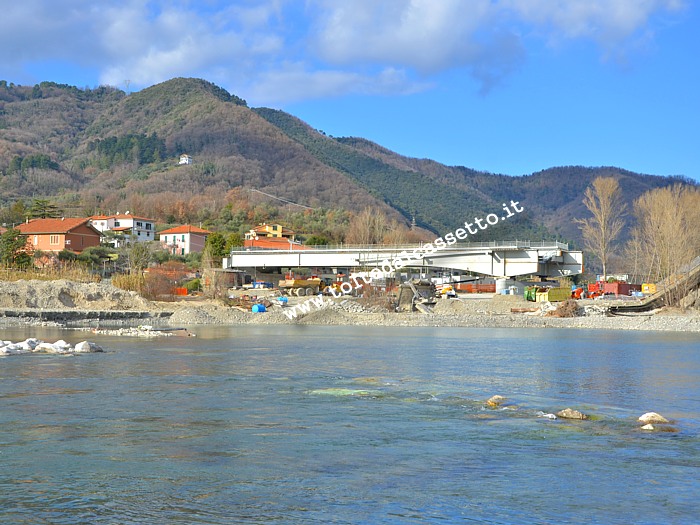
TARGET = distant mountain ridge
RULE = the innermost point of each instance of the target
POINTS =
(102, 149)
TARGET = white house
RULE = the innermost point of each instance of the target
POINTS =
(125, 228)
(182, 240)
(185, 159)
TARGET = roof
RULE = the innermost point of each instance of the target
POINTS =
(64, 225)
(187, 228)
(120, 216)
(273, 243)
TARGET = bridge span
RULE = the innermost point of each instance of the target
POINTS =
(498, 259)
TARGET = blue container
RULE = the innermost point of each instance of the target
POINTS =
(258, 308)
(283, 299)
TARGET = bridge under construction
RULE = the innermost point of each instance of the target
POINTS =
(496, 259)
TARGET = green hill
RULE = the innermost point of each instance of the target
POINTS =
(101, 151)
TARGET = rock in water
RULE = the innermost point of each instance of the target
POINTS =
(648, 427)
(495, 401)
(48, 348)
(652, 417)
(87, 347)
(569, 413)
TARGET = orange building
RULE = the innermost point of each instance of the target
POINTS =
(55, 235)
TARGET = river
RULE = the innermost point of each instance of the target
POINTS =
(328, 424)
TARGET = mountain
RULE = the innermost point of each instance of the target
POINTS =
(101, 150)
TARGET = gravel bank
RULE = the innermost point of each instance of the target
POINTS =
(488, 312)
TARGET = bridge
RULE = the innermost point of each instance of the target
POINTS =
(498, 259)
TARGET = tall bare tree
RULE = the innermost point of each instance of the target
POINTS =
(603, 199)
(367, 227)
(669, 230)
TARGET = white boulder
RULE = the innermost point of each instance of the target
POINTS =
(87, 347)
(653, 417)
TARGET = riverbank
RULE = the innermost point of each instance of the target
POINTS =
(65, 303)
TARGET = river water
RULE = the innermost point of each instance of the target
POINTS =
(317, 424)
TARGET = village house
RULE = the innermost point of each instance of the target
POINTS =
(55, 235)
(270, 230)
(124, 228)
(185, 160)
(271, 237)
(182, 240)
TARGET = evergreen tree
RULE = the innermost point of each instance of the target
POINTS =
(13, 248)
(44, 209)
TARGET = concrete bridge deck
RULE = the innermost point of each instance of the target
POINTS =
(500, 259)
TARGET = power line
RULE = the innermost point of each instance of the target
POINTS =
(282, 200)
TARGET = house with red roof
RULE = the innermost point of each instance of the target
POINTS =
(55, 235)
(182, 240)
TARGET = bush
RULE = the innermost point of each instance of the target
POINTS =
(195, 285)
(131, 282)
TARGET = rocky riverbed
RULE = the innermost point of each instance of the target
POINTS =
(102, 305)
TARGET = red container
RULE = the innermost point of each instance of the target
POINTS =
(621, 288)
(594, 287)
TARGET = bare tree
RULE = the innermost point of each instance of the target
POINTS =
(603, 199)
(367, 227)
(669, 233)
(138, 256)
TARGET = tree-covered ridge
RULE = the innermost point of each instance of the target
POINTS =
(434, 204)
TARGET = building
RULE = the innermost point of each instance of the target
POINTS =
(185, 160)
(55, 235)
(182, 240)
(272, 243)
(120, 229)
(270, 230)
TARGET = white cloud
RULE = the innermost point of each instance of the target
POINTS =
(294, 82)
(280, 50)
(612, 24)
(422, 34)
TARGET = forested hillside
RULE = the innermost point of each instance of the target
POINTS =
(101, 151)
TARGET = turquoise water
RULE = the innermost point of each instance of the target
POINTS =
(308, 424)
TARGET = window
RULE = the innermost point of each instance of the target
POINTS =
(139, 224)
(148, 225)
(183, 237)
(116, 224)
(54, 240)
(36, 240)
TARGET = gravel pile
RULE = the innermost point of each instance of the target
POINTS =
(61, 294)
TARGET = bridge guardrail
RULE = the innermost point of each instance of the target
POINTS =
(401, 247)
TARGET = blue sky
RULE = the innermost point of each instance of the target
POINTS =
(506, 86)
